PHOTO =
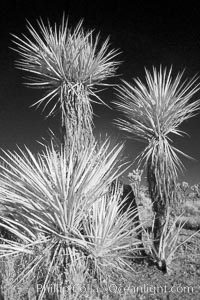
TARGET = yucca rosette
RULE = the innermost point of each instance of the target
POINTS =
(69, 65)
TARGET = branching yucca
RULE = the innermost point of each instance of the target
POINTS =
(69, 65)
(152, 111)
(45, 200)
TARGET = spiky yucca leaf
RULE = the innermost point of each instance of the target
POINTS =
(69, 65)
(45, 199)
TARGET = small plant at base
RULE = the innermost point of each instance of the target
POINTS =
(169, 243)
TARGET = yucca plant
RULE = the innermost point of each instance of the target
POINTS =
(65, 215)
(68, 65)
(46, 198)
(152, 111)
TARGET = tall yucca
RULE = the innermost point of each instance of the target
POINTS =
(46, 199)
(69, 65)
(152, 111)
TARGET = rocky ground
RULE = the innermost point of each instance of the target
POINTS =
(146, 282)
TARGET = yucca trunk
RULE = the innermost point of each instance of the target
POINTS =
(158, 205)
(77, 119)
(161, 184)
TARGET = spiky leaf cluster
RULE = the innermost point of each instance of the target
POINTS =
(58, 207)
(66, 63)
(152, 110)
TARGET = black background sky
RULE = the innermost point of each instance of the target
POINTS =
(147, 34)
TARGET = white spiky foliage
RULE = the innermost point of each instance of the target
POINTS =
(68, 65)
(152, 111)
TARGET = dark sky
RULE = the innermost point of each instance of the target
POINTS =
(147, 34)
